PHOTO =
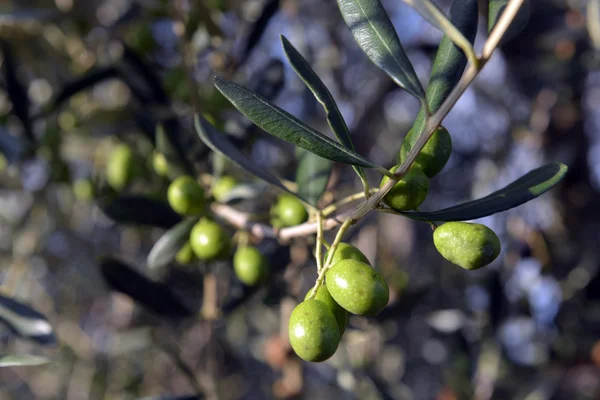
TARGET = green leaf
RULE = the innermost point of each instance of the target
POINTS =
(312, 175)
(528, 187)
(323, 96)
(25, 321)
(220, 143)
(23, 361)
(169, 145)
(373, 31)
(137, 210)
(285, 126)
(496, 7)
(165, 248)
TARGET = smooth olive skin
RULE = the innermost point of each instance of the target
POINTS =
(209, 240)
(468, 245)
(434, 156)
(357, 287)
(290, 211)
(223, 186)
(160, 164)
(346, 251)
(121, 168)
(250, 266)
(186, 196)
(341, 315)
(313, 331)
(185, 255)
(409, 192)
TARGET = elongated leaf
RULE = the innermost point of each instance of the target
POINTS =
(373, 31)
(141, 79)
(496, 7)
(323, 96)
(165, 248)
(528, 187)
(220, 143)
(136, 210)
(245, 191)
(312, 175)
(258, 28)
(285, 126)
(25, 321)
(23, 361)
(154, 296)
(169, 143)
(17, 93)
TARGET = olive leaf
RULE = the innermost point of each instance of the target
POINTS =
(25, 321)
(141, 78)
(373, 31)
(245, 191)
(495, 10)
(312, 175)
(220, 143)
(137, 210)
(165, 248)
(528, 187)
(23, 361)
(323, 96)
(169, 144)
(285, 126)
(258, 28)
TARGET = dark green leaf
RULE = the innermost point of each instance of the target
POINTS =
(373, 31)
(312, 175)
(141, 78)
(283, 125)
(25, 321)
(258, 28)
(495, 10)
(169, 144)
(220, 143)
(323, 96)
(136, 210)
(17, 93)
(165, 248)
(23, 361)
(528, 187)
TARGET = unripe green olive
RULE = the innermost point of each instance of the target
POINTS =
(357, 287)
(84, 189)
(121, 168)
(346, 251)
(160, 164)
(409, 192)
(290, 211)
(250, 266)
(313, 331)
(185, 255)
(434, 155)
(186, 196)
(209, 240)
(341, 315)
(223, 186)
(468, 245)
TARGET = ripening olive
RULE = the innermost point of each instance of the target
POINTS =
(357, 287)
(434, 155)
(185, 255)
(209, 240)
(160, 164)
(346, 251)
(341, 315)
(223, 186)
(121, 168)
(313, 331)
(290, 211)
(409, 192)
(250, 266)
(186, 196)
(468, 245)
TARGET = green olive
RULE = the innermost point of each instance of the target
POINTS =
(313, 331)
(434, 156)
(209, 240)
(121, 167)
(290, 211)
(468, 245)
(357, 287)
(160, 164)
(84, 189)
(185, 255)
(223, 186)
(186, 196)
(250, 266)
(409, 192)
(341, 315)
(345, 251)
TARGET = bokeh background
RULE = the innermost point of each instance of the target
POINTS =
(101, 72)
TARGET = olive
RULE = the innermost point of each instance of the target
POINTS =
(250, 266)
(289, 210)
(313, 331)
(209, 240)
(185, 255)
(121, 168)
(409, 192)
(345, 251)
(223, 186)
(160, 164)
(341, 315)
(468, 245)
(186, 196)
(434, 155)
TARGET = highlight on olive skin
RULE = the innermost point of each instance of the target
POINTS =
(289, 211)
(209, 240)
(186, 196)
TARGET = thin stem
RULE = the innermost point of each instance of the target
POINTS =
(348, 199)
(319, 244)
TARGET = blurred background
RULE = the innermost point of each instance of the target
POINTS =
(80, 77)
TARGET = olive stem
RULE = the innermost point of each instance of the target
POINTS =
(348, 199)
(319, 244)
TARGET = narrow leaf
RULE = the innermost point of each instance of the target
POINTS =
(220, 143)
(323, 96)
(285, 126)
(258, 28)
(373, 31)
(312, 175)
(23, 361)
(17, 93)
(165, 248)
(528, 187)
(25, 321)
(141, 78)
(169, 144)
(137, 210)
(495, 10)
